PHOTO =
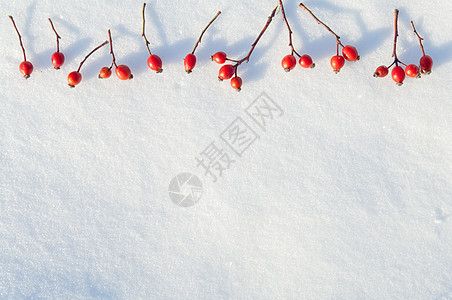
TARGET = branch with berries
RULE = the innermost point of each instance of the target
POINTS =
(398, 72)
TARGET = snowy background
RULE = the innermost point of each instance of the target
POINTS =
(346, 195)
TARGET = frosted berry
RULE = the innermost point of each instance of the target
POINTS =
(123, 72)
(189, 62)
(426, 64)
(236, 83)
(155, 63)
(105, 72)
(350, 53)
(74, 78)
(398, 75)
(306, 61)
(57, 60)
(219, 57)
(412, 71)
(381, 71)
(26, 68)
(288, 62)
(337, 62)
(226, 72)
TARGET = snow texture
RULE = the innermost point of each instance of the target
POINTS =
(345, 195)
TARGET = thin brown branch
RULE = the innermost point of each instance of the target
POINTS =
(57, 35)
(202, 33)
(338, 41)
(419, 37)
(289, 29)
(88, 55)
(247, 57)
(20, 37)
(144, 34)
(113, 61)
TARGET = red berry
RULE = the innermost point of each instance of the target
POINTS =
(306, 61)
(219, 57)
(412, 71)
(189, 62)
(337, 62)
(226, 72)
(57, 59)
(381, 71)
(105, 72)
(123, 72)
(26, 68)
(350, 53)
(426, 64)
(74, 78)
(288, 62)
(398, 75)
(236, 83)
(155, 63)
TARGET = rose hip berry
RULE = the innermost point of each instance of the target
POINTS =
(381, 71)
(74, 78)
(398, 75)
(306, 61)
(219, 57)
(337, 62)
(412, 71)
(123, 72)
(26, 68)
(236, 83)
(350, 53)
(288, 62)
(105, 72)
(426, 64)
(226, 72)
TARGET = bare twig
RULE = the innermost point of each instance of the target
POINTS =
(86, 57)
(419, 37)
(113, 61)
(143, 33)
(288, 28)
(338, 41)
(58, 37)
(247, 57)
(20, 37)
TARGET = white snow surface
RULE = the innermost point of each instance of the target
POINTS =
(347, 195)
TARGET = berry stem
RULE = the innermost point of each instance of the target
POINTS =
(113, 61)
(247, 57)
(143, 33)
(58, 37)
(202, 33)
(338, 41)
(20, 37)
(419, 37)
(86, 57)
(288, 28)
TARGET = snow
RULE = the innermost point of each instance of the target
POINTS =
(346, 194)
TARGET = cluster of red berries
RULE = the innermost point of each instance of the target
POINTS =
(398, 73)
(229, 71)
